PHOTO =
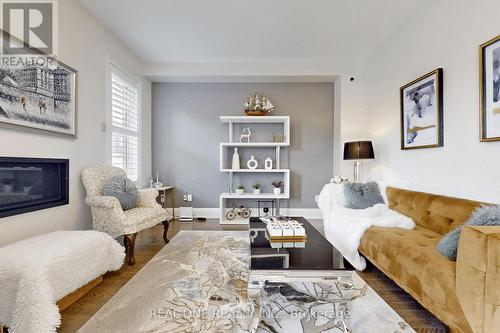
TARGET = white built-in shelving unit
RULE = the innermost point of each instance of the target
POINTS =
(226, 151)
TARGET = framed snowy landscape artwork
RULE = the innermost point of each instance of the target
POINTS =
(422, 112)
(489, 81)
(37, 92)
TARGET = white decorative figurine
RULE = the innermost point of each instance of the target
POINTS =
(268, 164)
(236, 160)
(252, 163)
(245, 136)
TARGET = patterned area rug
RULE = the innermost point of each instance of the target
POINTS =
(340, 304)
(188, 286)
(199, 283)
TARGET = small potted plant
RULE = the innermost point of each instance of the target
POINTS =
(256, 188)
(240, 189)
(277, 186)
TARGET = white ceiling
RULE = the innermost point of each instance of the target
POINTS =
(251, 30)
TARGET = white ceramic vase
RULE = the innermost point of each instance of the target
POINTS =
(277, 191)
(236, 160)
(252, 163)
(240, 191)
(256, 191)
(268, 164)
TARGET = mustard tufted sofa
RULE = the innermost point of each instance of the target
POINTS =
(465, 294)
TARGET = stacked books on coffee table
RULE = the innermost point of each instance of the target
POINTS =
(287, 233)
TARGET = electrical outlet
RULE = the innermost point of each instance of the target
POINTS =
(189, 197)
(185, 197)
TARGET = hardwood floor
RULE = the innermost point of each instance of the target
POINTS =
(410, 310)
(150, 241)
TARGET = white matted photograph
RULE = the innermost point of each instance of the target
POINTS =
(489, 81)
(422, 112)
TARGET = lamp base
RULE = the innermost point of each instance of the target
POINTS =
(356, 172)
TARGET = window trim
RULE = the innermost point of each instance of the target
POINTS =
(113, 68)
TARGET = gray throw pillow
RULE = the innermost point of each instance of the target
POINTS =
(486, 215)
(362, 195)
(123, 189)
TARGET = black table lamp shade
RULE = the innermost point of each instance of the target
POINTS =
(358, 150)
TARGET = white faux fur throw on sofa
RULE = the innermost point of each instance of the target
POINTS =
(36, 272)
(344, 227)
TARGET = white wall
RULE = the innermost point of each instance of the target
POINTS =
(444, 33)
(84, 44)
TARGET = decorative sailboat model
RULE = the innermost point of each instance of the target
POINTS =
(258, 105)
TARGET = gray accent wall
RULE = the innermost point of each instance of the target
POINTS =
(187, 131)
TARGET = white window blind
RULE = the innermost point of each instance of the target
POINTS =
(124, 125)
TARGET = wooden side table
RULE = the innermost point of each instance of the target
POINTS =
(162, 198)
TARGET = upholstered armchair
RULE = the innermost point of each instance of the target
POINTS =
(108, 215)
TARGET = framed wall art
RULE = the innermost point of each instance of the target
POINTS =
(422, 112)
(37, 92)
(489, 90)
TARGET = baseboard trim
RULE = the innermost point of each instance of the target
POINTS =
(214, 213)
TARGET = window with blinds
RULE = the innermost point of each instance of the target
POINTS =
(124, 125)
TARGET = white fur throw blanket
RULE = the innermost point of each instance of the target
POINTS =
(36, 272)
(344, 227)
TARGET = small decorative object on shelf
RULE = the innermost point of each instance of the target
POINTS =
(258, 105)
(266, 207)
(268, 164)
(252, 163)
(240, 189)
(279, 138)
(240, 211)
(246, 135)
(157, 183)
(256, 188)
(277, 186)
(236, 160)
(338, 180)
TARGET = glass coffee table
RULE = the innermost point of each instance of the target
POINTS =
(309, 287)
(316, 254)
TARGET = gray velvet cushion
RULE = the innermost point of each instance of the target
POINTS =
(362, 195)
(486, 215)
(123, 189)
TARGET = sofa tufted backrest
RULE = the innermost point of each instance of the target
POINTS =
(434, 212)
(95, 176)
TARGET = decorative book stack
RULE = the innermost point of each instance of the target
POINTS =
(285, 231)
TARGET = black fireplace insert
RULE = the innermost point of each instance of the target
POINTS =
(29, 184)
